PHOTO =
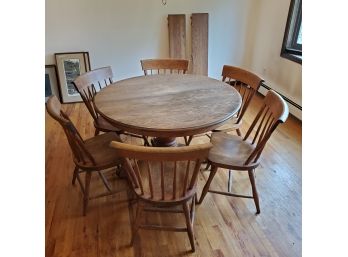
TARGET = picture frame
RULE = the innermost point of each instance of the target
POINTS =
(70, 65)
(51, 82)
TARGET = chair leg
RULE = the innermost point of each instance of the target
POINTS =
(96, 133)
(188, 140)
(136, 222)
(253, 186)
(238, 132)
(189, 226)
(120, 172)
(207, 185)
(208, 166)
(229, 183)
(146, 141)
(192, 210)
(76, 170)
(86, 193)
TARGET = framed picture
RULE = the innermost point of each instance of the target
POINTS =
(51, 82)
(70, 66)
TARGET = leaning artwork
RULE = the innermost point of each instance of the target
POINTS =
(70, 66)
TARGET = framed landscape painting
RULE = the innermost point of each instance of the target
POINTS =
(51, 82)
(70, 66)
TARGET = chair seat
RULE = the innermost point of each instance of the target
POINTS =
(231, 125)
(104, 155)
(229, 151)
(103, 125)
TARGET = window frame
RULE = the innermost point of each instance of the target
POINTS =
(290, 49)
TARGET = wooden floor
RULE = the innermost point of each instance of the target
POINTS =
(224, 226)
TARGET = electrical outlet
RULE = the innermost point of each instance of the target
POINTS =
(264, 71)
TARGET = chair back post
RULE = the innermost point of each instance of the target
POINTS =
(247, 84)
(273, 112)
(76, 143)
(164, 65)
(162, 174)
(87, 84)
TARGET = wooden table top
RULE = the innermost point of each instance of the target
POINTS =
(168, 105)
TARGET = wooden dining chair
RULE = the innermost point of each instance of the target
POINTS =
(164, 66)
(235, 153)
(87, 85)
(163, 178)
(90, 155)
(247, 84)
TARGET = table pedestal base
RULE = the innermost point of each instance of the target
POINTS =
(164, 141)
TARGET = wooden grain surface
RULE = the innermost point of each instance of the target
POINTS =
(224, 226)
(168, 105)
(199, 43)
(177, 36)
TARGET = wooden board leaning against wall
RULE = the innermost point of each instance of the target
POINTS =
(199, 43)
(177, 36)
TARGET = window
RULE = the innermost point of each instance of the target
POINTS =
(292, 42)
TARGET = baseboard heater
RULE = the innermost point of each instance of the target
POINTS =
(285, 98)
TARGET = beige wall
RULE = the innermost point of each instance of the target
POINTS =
(263, 57)
(119, 33)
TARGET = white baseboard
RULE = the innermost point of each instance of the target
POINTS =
(293, 109)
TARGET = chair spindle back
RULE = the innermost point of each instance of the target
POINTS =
(75, 140)
(162, 174)
(245, 82)
(274, 111)
(162, 66)
(89, 83)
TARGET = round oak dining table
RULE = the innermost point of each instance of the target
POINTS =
(168, 106)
